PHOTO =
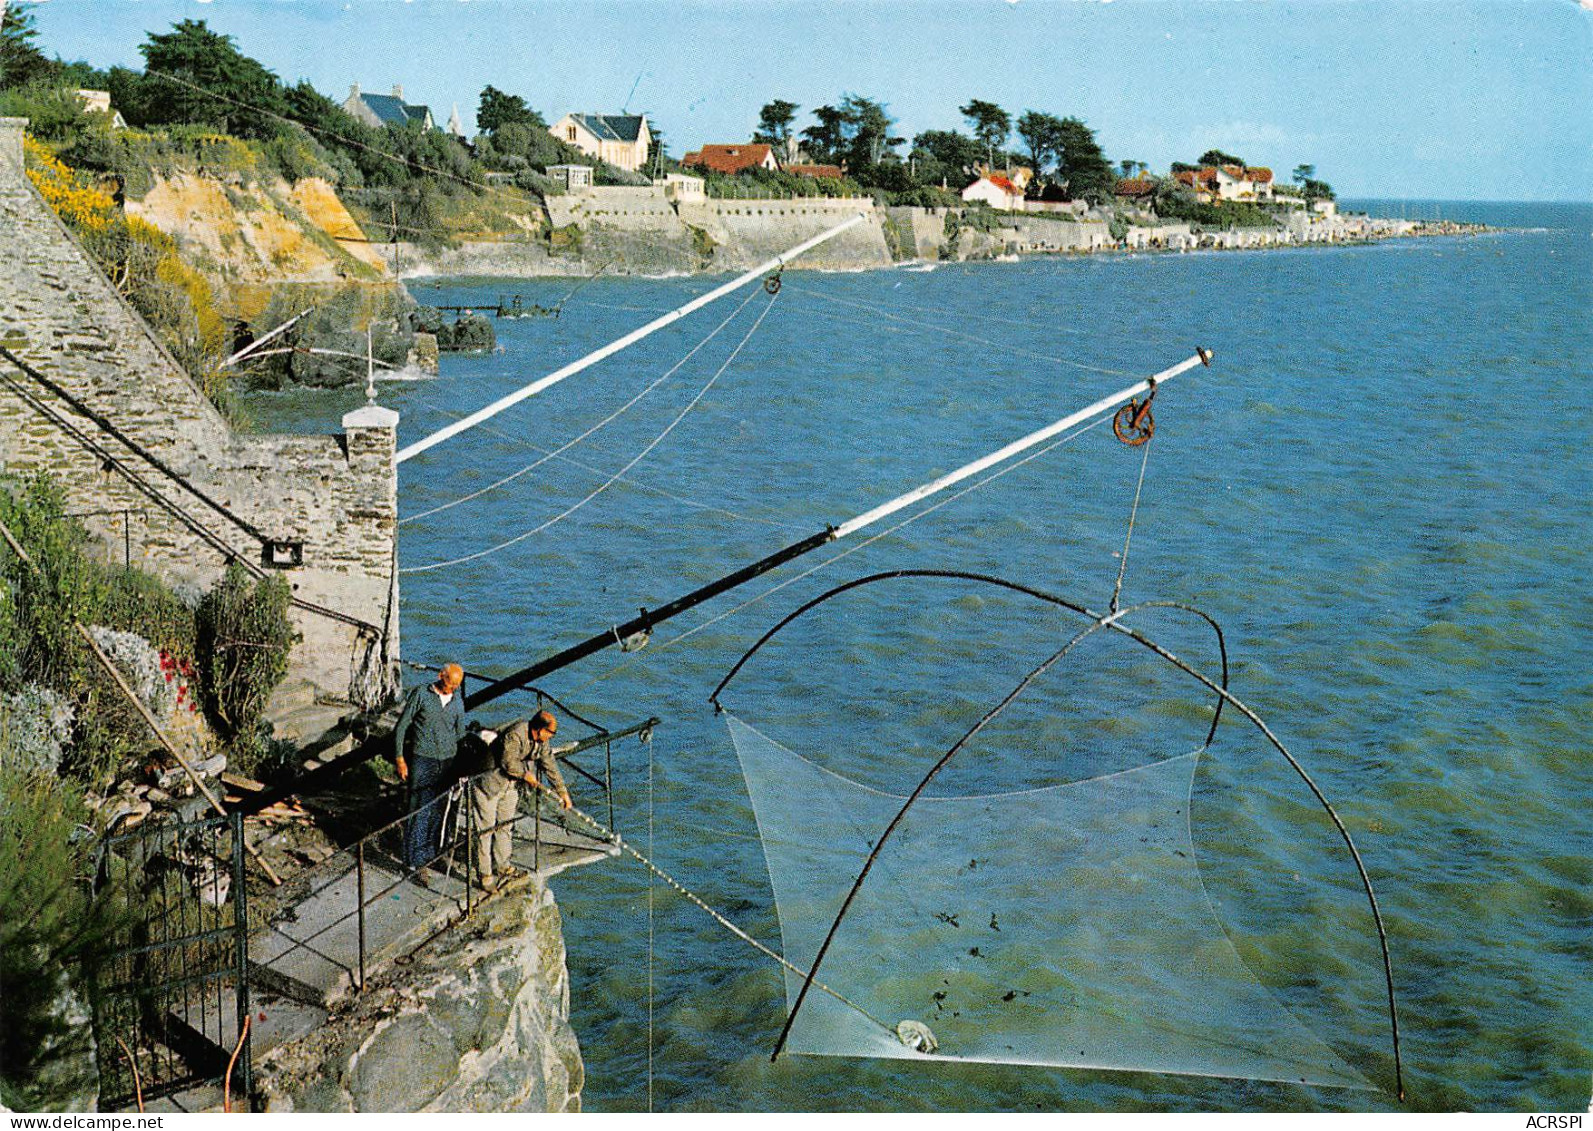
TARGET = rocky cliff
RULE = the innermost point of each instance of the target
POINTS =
(264, 232)
(477, 1021)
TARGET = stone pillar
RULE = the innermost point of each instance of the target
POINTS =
(370, 440)
(11, 148)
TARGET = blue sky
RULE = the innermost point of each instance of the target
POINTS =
(1404, 98)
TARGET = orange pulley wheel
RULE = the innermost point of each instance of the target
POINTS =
(1134, 423)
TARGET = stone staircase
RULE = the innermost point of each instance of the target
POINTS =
(319, 726)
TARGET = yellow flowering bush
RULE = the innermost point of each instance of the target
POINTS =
(81, 205)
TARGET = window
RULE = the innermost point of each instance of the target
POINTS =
(571, 131)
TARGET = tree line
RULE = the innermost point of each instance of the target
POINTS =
(858, 133)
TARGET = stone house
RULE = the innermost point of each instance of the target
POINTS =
(620, 139)
(163, 482)
(731, 159)
(997, 191)
(378, 110)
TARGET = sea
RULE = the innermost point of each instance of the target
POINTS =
(1380, 489)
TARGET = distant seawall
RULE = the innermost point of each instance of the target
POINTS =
(647, 231)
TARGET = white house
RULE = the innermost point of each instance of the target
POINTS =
(99, 102)
(1242, 182)
(378, 110)
(683, 186)
(620, 139)
(996, 191)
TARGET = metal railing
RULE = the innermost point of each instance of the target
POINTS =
(170, 994)
(382, 851)
(126, 514)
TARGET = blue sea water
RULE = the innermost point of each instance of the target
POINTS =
(1381, 489)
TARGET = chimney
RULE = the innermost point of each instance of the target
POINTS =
(398, 92)
(354, 90)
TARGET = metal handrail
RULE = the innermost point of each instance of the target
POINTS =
(463, 831)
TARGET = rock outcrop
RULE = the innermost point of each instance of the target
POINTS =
(477, 1021)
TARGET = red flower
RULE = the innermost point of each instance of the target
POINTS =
(168, 677)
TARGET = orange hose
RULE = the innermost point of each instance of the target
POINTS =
(226, 1090)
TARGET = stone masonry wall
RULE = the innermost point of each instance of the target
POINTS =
(335, 493)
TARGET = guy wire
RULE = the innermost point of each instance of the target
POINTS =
(624, 845)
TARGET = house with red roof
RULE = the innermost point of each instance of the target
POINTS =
(997, 191)
(1203, 181)
(1135, 190)
(730, 159)
(1228, 182)
(1244, 182)
(817, 172)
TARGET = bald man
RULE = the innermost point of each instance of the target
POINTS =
(424, 744)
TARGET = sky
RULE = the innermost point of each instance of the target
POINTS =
(1447, 99)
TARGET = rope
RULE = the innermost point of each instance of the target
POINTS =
(615, 415)
(609, 482)
(1017, 350)
(773, 589)
(628, 480)
(621, 843)
(1133, 512)
(650, 852)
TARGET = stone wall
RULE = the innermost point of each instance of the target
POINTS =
(747, 232)
(478, 1021)
(639, 231)
(337, 494)
(925, 229)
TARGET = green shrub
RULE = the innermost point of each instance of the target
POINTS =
(567, 240)
(48, 928)
(244, 641)
(702, 243)
(39, 643)
(53, 113)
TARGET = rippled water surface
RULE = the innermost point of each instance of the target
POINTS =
(1381, 489)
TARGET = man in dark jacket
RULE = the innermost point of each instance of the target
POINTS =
(424, 743)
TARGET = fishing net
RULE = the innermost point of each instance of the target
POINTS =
(1064, 926)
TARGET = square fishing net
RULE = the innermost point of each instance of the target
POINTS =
(1066, 926)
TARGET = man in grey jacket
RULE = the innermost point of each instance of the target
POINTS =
(521, 751)
(424, 744)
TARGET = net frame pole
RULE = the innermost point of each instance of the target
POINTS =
(1105, 404)
(1112, 622)
(775, 264)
